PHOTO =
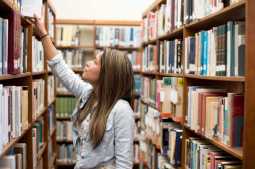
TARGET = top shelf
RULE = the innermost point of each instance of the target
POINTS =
(98, 22)
(233, 12)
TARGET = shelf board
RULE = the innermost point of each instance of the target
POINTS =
(233, 12)
(64, 141)
(119, 48)
(38, 73)
(170, 74)
(60, 162)
(18, 76)
(64, 118)
(149, 42)
(216, 78)
(41, 151)
(75, 47)
(14, 141)
(177, 33)
(236, 152)
(64, 94)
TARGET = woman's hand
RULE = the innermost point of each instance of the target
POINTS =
(40, 29)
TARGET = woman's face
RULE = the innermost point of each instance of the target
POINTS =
(91, 70)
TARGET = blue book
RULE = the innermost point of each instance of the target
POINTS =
(201, 35)
(205, 54)
(178, 147)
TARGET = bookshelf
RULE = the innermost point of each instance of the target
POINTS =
(239, 11)
(26, 78)
(92, 26)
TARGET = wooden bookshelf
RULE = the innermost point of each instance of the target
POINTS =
(98, 22)
(236, 152)
(7, 8)
(14, 141)
(240, 11)
(18, 76)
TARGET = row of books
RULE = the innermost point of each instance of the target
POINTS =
(173, 14)
(217, 114)
(117, 36)
(165, 94)
(135, 59)
(150, 58)
(66, 153)
(13, 112)
(69, 35)
(65, 106)
(219, 51)
(38, 88)
(170, 56)
(200, 154)
(51, 89)
(167, 59)
(168, 18)
(13, 46)
(16, 158)
(195, 10)
(64, 130)
(77, 59)
(171, 141)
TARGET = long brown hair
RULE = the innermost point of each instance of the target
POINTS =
(115, 82)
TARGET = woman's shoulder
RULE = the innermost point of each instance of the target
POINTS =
(122, 108)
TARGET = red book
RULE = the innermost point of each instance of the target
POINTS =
(14, 43)
(236, 111)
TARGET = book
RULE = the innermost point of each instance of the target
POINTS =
(38, 88)
(29, 8)
(38, 56)
(65, 106)
(64, 130)
(219, 51)
(120, 36)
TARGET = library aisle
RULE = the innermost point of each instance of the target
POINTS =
(194, 77)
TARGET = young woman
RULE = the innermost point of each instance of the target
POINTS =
(103, 119)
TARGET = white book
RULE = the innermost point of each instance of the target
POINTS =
(29, 8)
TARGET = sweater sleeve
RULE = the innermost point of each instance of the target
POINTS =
(124, 135)
(68, 78)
